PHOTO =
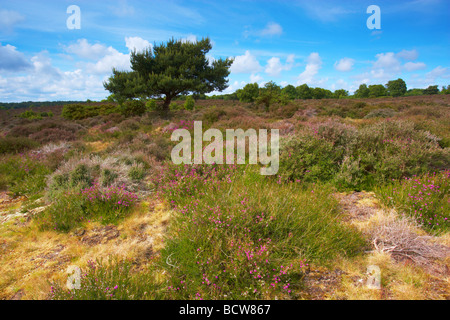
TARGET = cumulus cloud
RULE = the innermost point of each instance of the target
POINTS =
(246, 63)
(272, 29)
(11, 59)
(414, 66)
(387, 61)
(314, 63)
(189, 38)
(137, 43)
(274, 65)
(83, 49)
(344, 65)
(439, 72)
(255, 78)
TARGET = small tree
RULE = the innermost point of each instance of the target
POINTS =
(377, 90)
(189, 104)
(249, 93)
(396, 88)
(431, 90)
(362, 92)
(269, 94)
(341, 93)
(290, 92)
(303, 92)
(169, 70)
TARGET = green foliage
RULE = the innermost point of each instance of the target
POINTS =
(132, 108)
(431, 90)
(71, 209)
(320, 93)
(304, 92)
(290, 92)
(377, 90)
(308, 159)
(425, 198)
(363, 91)
(249, 93)
(360, 159)
(189, 104)
(83, 111)
(269, 94)
(213, 114)
(170, 69)
(396, 88)
(23, 175)
(151, 105)
(341, 93)
(31, 115)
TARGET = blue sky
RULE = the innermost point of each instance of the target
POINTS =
(322, 43)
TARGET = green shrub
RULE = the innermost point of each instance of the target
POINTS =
(132, 108)
(151, 105)
(309, 159)
(83, 111)
(213, 114)
(23, 175)
(189, 104)
(426, 198)
(71, 209)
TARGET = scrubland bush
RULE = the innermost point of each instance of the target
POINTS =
(83, 111)
(425, 198)
(112, 171)
(361, 158)
(132, 108)
(73, 208)
(189, 104)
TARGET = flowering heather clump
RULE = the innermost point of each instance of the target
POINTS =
(106, 204)
(238, 235)
(426, 198)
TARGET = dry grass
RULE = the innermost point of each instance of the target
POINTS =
(30, 259)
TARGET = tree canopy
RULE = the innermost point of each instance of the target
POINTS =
(169, 70)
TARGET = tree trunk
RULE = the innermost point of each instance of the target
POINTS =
(166, 105)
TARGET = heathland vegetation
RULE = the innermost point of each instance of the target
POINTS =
(363, 180)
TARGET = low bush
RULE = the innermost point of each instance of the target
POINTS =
(425, 198)
(96, 203)
(83, 111)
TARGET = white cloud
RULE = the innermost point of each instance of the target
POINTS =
(387, 61)
(408, 55)
(255, 78)
(314, 63)
(413, 66)
(272, 29)
(246, 63)
(274, 65)
(83, 49)
(344, 65)
(137, 43)
(439, 72)
(11, 59)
